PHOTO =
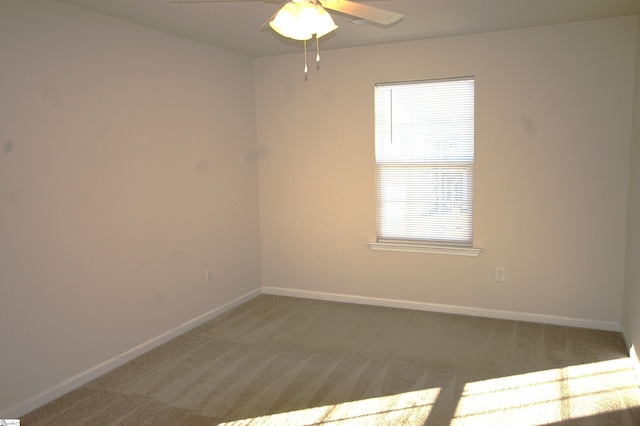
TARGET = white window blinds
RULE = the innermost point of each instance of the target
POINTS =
(424, 156)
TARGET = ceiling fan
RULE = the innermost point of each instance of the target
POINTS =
(347, 7)
(303, 19)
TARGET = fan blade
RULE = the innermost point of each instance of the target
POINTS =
(363, 11)
(266, 25)
(225, 1)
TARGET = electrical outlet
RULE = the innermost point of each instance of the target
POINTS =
(209, 276)
(500, 273)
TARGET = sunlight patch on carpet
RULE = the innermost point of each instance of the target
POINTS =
(404, 408)
(536, 398)
(548, 396)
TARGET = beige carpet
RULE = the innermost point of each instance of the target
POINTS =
(287, 361)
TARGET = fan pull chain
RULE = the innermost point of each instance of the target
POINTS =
(317, 52)
(305, 59)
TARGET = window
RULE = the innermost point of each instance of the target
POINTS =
(424, 140)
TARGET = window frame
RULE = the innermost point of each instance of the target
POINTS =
(409, 244)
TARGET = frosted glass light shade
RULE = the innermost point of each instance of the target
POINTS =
(324, 22)
(287, 23)
(302, 19)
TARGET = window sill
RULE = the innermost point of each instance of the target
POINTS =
(424, 248)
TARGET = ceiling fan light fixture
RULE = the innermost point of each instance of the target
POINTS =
(287, 23)
(301, 20)
(324, 22)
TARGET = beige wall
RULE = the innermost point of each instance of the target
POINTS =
(129, 165)
(127, 168)
(631, 318)
(553, 123)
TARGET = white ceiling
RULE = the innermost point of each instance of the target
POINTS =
(236, 25)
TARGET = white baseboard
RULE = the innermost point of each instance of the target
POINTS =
(449, 309)
(108, 365)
